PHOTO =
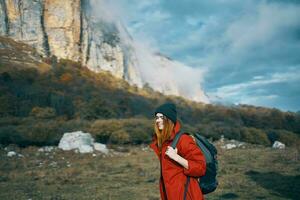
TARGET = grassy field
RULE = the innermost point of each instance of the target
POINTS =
(254, 172)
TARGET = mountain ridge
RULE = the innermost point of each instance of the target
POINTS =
(70, 30)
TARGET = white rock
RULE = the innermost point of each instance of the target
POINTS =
(222, 138)
(229, 146)
(77, 140)
(53, 164)
(145, 148)
(278, 145)
(11, 154)
(100, 147)
(46, 149)
(20, 155)
(241, 144)
(86, 149)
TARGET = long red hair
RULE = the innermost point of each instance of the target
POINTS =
(165, 133)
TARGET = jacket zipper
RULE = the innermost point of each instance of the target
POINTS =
(162, 179)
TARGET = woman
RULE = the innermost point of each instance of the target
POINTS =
(176, 164)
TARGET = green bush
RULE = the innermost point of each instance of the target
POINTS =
(5, 121)
(286, 137)
(10, 135)
(102, 129)
(43, 113)
(139, 130)
(97, 108)
(140, 135)
(41, 133)
(216, 129)
(255, 136)
(119, 137)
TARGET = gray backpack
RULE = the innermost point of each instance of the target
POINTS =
(208, 182)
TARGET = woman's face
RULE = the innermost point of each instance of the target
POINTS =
(159, 119)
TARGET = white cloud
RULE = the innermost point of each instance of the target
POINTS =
(193, 21)
(162, 74)
(261, 26)
(258, 77)
(240, 90)
(231, 41)
(259, 100)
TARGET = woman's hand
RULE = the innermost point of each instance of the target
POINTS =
(172, 153)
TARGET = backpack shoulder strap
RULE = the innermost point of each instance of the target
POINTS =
(176, 138)
(173, 145)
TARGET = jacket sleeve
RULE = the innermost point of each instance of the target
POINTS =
(189, 150)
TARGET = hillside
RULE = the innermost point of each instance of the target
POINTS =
(41, 98)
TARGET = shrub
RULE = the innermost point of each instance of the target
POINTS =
(139, 130)
(41, 133)
(66, 78)
(255, 136)
(216, 129)
(119, 137)
(98, 109)
(5, 121)
(140, 135)
(43, 113)
(286, 137)
(102, 129)
(10, 135)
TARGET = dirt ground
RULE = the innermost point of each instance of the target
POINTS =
(132, 172)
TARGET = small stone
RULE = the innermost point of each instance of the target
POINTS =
(100, 147)
(11, 154)
(278, 145)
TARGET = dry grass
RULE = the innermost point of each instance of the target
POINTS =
(252, 173)
(67, 175)
(20, 56)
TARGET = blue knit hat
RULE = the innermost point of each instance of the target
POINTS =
(168, 110)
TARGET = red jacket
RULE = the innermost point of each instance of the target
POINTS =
(174, 175)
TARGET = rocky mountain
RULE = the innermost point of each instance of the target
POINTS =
(69, 29)
(66, 29)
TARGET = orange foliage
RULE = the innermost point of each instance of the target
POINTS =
(66, 77)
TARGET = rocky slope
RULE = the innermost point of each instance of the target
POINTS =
(69, 29)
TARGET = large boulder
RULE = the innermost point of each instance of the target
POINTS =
(82, 142)
(77, 140)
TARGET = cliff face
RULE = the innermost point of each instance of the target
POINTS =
(69, 29)
(66, 29)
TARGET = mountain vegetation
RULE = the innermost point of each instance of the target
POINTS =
(42, 98)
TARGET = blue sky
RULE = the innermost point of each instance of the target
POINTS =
(249, 50)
